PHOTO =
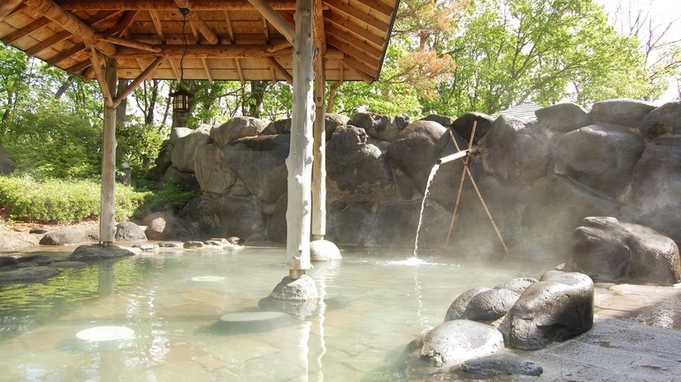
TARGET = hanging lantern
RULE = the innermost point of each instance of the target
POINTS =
(181, 99)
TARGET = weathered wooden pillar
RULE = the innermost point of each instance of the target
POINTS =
(299, 161)
(107, 223)
(319, 150)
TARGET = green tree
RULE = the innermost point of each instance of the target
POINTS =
(14, 82)
(512, 51)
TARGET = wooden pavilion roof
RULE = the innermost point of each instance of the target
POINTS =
(217, 40)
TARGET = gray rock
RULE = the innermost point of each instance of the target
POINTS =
(457, 309)
(178, 133)
(448, 345)
(187, 146)
(502, 364)
(184, 180)
(170, 244)
(464, 125)
(226, 216)
(36, 259)
(235, 128)
(608, 250)
(563, 117)
(240, 191)
(600, 157)
(69, 236)
(147, 247)
(663, 120)
(324, 250)
(357, 171)
(27, 274)
(622, 112)
(282, 126)
(260, 163)
(656, 187)
(165, 157)
(68, 264)
(129, 231)
(301, 289)
(98, 252)
(517, 285)
(490, 305)
(418, 149)
(352, 226)
(164, 226)
(8, 261)
(441, 119)
(514, 152)
(276, 225)
(332, 122)
(558, 307)
(379, 126)
(212, 170)
(192, 244)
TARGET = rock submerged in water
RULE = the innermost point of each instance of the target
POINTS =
(99, 252)
(69, 236)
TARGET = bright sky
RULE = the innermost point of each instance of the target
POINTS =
(661, 13)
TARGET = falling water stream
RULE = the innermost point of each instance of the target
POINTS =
(431, 177)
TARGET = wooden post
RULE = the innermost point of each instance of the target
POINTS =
(299, 161)
(107, 223)
(319, 150)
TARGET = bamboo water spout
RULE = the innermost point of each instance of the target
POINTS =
(453, 157)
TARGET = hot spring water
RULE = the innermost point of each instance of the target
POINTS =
(165, 307)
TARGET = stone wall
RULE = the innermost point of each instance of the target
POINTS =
(538, 178)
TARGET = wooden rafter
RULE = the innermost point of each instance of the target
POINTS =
(265, 30)
(57, 38)
(176, 71)
(346, 23)
(12, 37)
(274, 64)
(157, 24)
(7, 6)
(207, 69)
(145, 75)
(124, 24)
(274, 18)
(196, 5)
(347, 9)
(99, 73)
(198, 22)
(230, 31)
(239, 71)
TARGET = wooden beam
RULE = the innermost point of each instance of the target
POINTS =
(145, 75)
(299, 161)
(176, 70)
(14, 36)
(157, 24)
(280, 69)
(198, 22)
(204, 51)
(279, 46)
(78, 67)
(348, 42)
(274, 18)
(265, 30)
(318, 30)
(133, 44)
(239, 71)
(7, 6)
(66, 54)
(352, 64)
(71, 23)
(57, 38)
(196, 5)
(207, 69)
(230, 31)
(101, 75)
(124, 24)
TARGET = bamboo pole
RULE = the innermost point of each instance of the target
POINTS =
(299, 161)
(463, 179)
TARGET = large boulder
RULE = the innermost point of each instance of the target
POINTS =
(457, 309)
(515, 152)
(186, 181)
(490, 305)
(600, 157)
(28, 274)
(656, 187)
(352, 226)
(164, 226)
(418, 149)
(276, 225)
(609, 250)
(98, 252)
(558, 307)
(622, 112)
(260, 163)
(448, 345)
(187, 146)
(563, 117)
(129, 231)
(555, 205)
(395, 225)
(226, 216)
(379, 126)
(663, 120)
(283, 126)
(212, 170)
(464, 125)
(235, 128)
(357, 171)
(69, 236)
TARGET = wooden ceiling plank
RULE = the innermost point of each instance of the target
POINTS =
(348, 24)
(378, 6)
(70, 23)
(202, 51)
(265, 30)
(7, 7)
(351, 50)
(175, 69)
(230, 30)
(124, 24)
(356, 42)
(57, 38)
(358, 14)
(12, 37)
(274, 18)
(145, 75)
(240, 71)
(99, 73)
(207, 69)
(274, 64)
(157, 24)
(66, 54)
(78, 67)
(198, 22)
(273, 76)
(361, 73)
(196, 5)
